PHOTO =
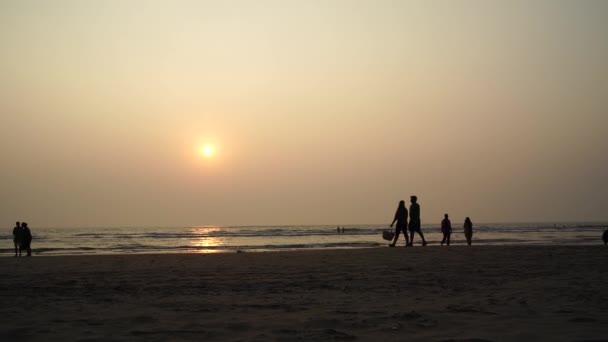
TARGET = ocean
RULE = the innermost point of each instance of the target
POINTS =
(215, 239)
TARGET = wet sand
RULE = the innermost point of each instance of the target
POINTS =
(457, 293)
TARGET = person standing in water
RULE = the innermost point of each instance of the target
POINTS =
(468, 230)
(446, 229)
(401, 219)
(415, 221)
(17, 237)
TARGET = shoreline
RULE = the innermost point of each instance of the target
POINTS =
(432, 244)
(263, 239)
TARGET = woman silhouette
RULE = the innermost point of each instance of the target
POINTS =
(468, 230)
(401, 219)
(26, 239)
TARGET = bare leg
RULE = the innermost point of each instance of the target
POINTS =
(448, 235)
(422, 236)
(411, 238)
(16, 247)
(396, 238)
(445, 236)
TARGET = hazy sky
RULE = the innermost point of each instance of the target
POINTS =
(319, 112)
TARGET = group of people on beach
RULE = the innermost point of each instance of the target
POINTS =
(446, 229)
(414, 226)
(22, 238)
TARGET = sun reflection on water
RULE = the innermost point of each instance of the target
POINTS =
(204, 243)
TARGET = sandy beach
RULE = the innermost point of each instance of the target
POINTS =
(477, 293)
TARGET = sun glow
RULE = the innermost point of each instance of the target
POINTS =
(207, 150)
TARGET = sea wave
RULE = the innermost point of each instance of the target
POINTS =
(55, 241)
(151, 248)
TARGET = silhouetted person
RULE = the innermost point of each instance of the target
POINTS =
(342, 230)
(415, 221)
(17, 234)
(468, 230)
(446, 229)
(26, 239)
(605, 237)
(21, 237)
(338, 229)
(401, 219)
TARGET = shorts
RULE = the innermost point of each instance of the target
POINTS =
(414, 226)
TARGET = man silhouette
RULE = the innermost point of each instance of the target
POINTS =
(446, 229)
(415, 220)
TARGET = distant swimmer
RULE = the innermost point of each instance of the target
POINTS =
(468, 230)
(605, 237)
(401, 219)
(415, 221)
(446, 229)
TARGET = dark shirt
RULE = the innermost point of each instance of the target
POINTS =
(401, 216)
(17, 234)
(27, 235)
(446, 226)
(415, 212)
(468, 227)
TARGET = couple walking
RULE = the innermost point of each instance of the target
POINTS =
(22, 238)
(402, 225)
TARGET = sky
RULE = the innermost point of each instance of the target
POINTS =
(317, 111)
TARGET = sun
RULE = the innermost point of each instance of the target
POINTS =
(207, 150)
